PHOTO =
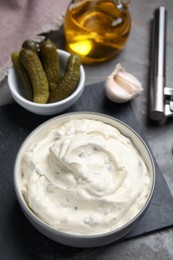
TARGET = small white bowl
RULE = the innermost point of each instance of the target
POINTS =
(82, 240)
(50, 108)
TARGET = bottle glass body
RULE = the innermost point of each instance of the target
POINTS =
(96, 29)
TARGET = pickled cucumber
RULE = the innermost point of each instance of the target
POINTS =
(50, 62)
(25, 80)
(30, 44)
(68, 83)
(33, 66)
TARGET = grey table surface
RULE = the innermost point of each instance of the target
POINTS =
(135, 58)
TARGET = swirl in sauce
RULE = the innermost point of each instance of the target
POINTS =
(85, 177)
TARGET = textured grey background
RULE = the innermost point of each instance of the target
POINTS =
(135, 58)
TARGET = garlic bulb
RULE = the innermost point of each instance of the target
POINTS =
(122, 86)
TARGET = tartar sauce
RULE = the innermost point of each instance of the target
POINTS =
(85, 177)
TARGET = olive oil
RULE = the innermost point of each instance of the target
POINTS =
(96, 30)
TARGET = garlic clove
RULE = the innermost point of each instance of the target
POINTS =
(122, 86)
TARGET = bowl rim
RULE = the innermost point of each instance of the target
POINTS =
(22, 99)
(34, 217)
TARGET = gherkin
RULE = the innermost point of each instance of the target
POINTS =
(51, 64)
(33, 66)
(69, 81)
(23, 76)
(31, 45)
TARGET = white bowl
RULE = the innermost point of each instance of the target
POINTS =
(50, 108)
(82, 240)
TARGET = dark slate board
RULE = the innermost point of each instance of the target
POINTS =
(18, 238)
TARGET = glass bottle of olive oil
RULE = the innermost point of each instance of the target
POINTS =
(96, 29)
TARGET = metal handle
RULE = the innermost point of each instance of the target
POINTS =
(158, 64)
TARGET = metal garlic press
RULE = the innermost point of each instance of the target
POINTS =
(161, 96)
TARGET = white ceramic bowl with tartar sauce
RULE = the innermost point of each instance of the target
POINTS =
(84, 240)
